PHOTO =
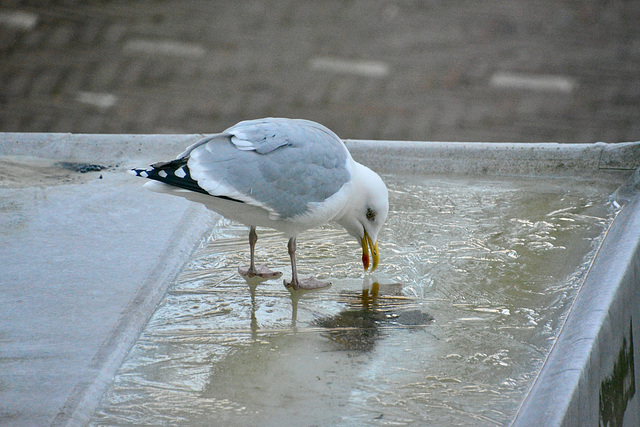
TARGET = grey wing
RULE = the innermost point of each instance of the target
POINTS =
(281, 165)
(197, 144)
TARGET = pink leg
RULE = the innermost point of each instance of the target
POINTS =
(260, 271)
(295, 283)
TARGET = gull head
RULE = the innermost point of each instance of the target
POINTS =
(366, 212)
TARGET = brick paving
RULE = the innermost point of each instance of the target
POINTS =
(405, 69)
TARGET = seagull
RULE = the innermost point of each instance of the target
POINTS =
(287, 174)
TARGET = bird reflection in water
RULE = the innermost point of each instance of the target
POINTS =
(253, 283)
(370, 315)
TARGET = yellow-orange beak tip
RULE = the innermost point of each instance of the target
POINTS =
(369, 247)
(365, 253)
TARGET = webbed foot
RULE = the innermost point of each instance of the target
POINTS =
(261, 272)
(309, 284)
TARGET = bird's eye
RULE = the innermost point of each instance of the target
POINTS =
(371, 214)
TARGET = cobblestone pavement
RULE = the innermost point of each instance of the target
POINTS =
(455, 70)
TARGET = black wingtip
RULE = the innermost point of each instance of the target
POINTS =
(139, 172)
(175, 173)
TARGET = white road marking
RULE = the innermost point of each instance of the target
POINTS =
(349, 66)
(164, 47)
(18, 19)
(533, 82)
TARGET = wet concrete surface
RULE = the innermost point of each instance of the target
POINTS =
(84, 258)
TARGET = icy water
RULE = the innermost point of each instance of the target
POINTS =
(476, 277)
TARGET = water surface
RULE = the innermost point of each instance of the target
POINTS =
(476, 277)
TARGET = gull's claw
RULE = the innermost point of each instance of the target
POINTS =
(262, 272)
(309, 284)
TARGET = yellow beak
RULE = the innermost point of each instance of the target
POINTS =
(367, 244)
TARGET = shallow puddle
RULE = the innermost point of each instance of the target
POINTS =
(476, 277)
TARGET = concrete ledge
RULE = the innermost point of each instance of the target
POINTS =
(591, 376)
(84, 263)
(577, 385)
(124, 150)
(482, 158)
(387, 156)
(185, 236)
